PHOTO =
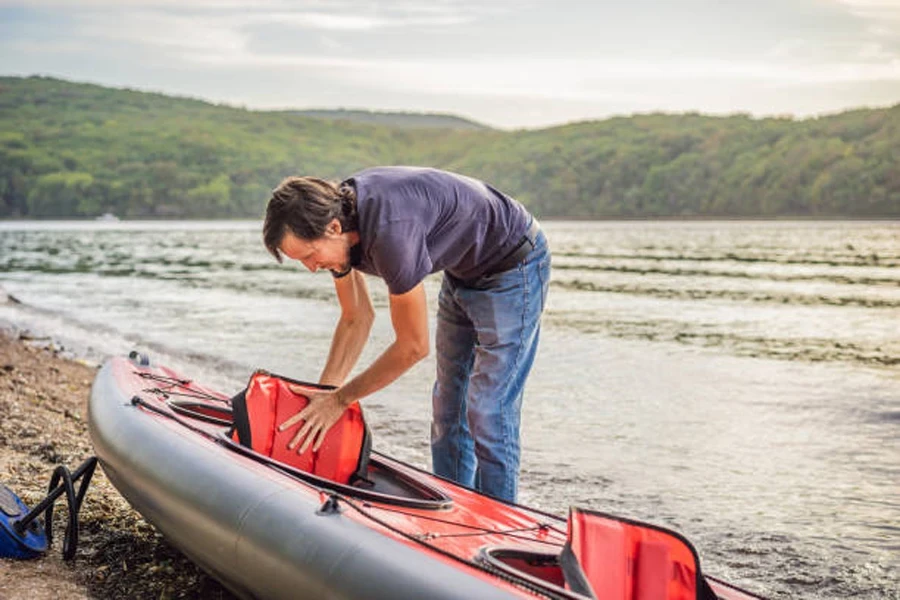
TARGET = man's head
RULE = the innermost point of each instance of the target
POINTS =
(313, 221)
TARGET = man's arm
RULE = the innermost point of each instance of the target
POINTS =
(409, 316)
(352, 330)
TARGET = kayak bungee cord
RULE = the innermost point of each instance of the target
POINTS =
(333, 499)
(182, 383)
(475, 529)
(507, 532)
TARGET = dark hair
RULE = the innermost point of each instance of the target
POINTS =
(305, 206)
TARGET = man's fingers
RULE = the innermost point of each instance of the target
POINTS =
(313, 433)
(319, 439)
(313, 430)
(293, 420)
(290, 422)
(303, 433)
(300, 390)
(296, 439)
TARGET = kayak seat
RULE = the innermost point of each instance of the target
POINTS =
(618, 559)
(268, 401)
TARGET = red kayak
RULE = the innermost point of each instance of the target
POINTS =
(213, 474)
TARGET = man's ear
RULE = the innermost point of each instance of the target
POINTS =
(334, 228)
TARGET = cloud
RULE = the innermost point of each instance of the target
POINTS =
(159, 30)
(225, 26)
(882, 16)
(865, 51)
(868, 35)
(882, 10)
(206, 36)
(452, 53)
(326, 14)
(559, 77)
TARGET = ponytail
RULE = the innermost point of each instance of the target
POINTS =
(349, 216)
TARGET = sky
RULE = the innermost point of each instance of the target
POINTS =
(505, 63)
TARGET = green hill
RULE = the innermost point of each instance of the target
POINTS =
(78, 150)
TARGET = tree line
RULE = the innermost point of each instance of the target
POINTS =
(72, 150)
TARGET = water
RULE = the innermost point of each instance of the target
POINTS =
(739, 382)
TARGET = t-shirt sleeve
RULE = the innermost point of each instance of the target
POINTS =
(400, 256)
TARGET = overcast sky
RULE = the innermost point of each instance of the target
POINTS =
(506, 63)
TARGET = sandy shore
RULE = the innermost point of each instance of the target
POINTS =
(43, 410)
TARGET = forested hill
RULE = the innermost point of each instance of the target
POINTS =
(78, 150)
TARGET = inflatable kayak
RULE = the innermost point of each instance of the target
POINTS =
(215, 476)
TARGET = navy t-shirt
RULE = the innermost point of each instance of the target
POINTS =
(415, 221)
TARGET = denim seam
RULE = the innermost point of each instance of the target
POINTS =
(507, 424)
(453, 297)
(462, 415)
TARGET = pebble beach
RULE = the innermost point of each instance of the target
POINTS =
(43, 423)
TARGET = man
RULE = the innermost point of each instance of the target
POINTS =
(402, 224)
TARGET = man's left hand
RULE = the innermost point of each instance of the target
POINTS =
(324, 409)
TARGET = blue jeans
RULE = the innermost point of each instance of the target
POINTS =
(487, 337)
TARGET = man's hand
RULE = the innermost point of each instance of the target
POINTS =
(324, 409)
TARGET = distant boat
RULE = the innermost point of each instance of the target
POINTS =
(107, 217)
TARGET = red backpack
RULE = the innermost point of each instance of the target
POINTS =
(267, 402)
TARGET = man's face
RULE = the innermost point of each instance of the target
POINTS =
(330, 251)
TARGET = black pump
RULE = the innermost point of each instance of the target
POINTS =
(21, 534)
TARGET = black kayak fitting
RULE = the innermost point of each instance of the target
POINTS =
(23, 537)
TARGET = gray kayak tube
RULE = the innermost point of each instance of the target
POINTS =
(247, 525)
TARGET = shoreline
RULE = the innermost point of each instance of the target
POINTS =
(43, 423)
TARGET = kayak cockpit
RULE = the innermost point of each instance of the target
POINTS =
(379, 482)
(606, 556)
(383, 482)
(538, 568)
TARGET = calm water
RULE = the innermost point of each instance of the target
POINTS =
(739, 382)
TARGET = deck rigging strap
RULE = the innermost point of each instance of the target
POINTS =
(475, 530)
(178, 383)
(508, 532)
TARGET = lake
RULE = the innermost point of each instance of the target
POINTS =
(736, 381)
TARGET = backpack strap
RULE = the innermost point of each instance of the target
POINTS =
(358, 478)
(574, 575)
(241, 419)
